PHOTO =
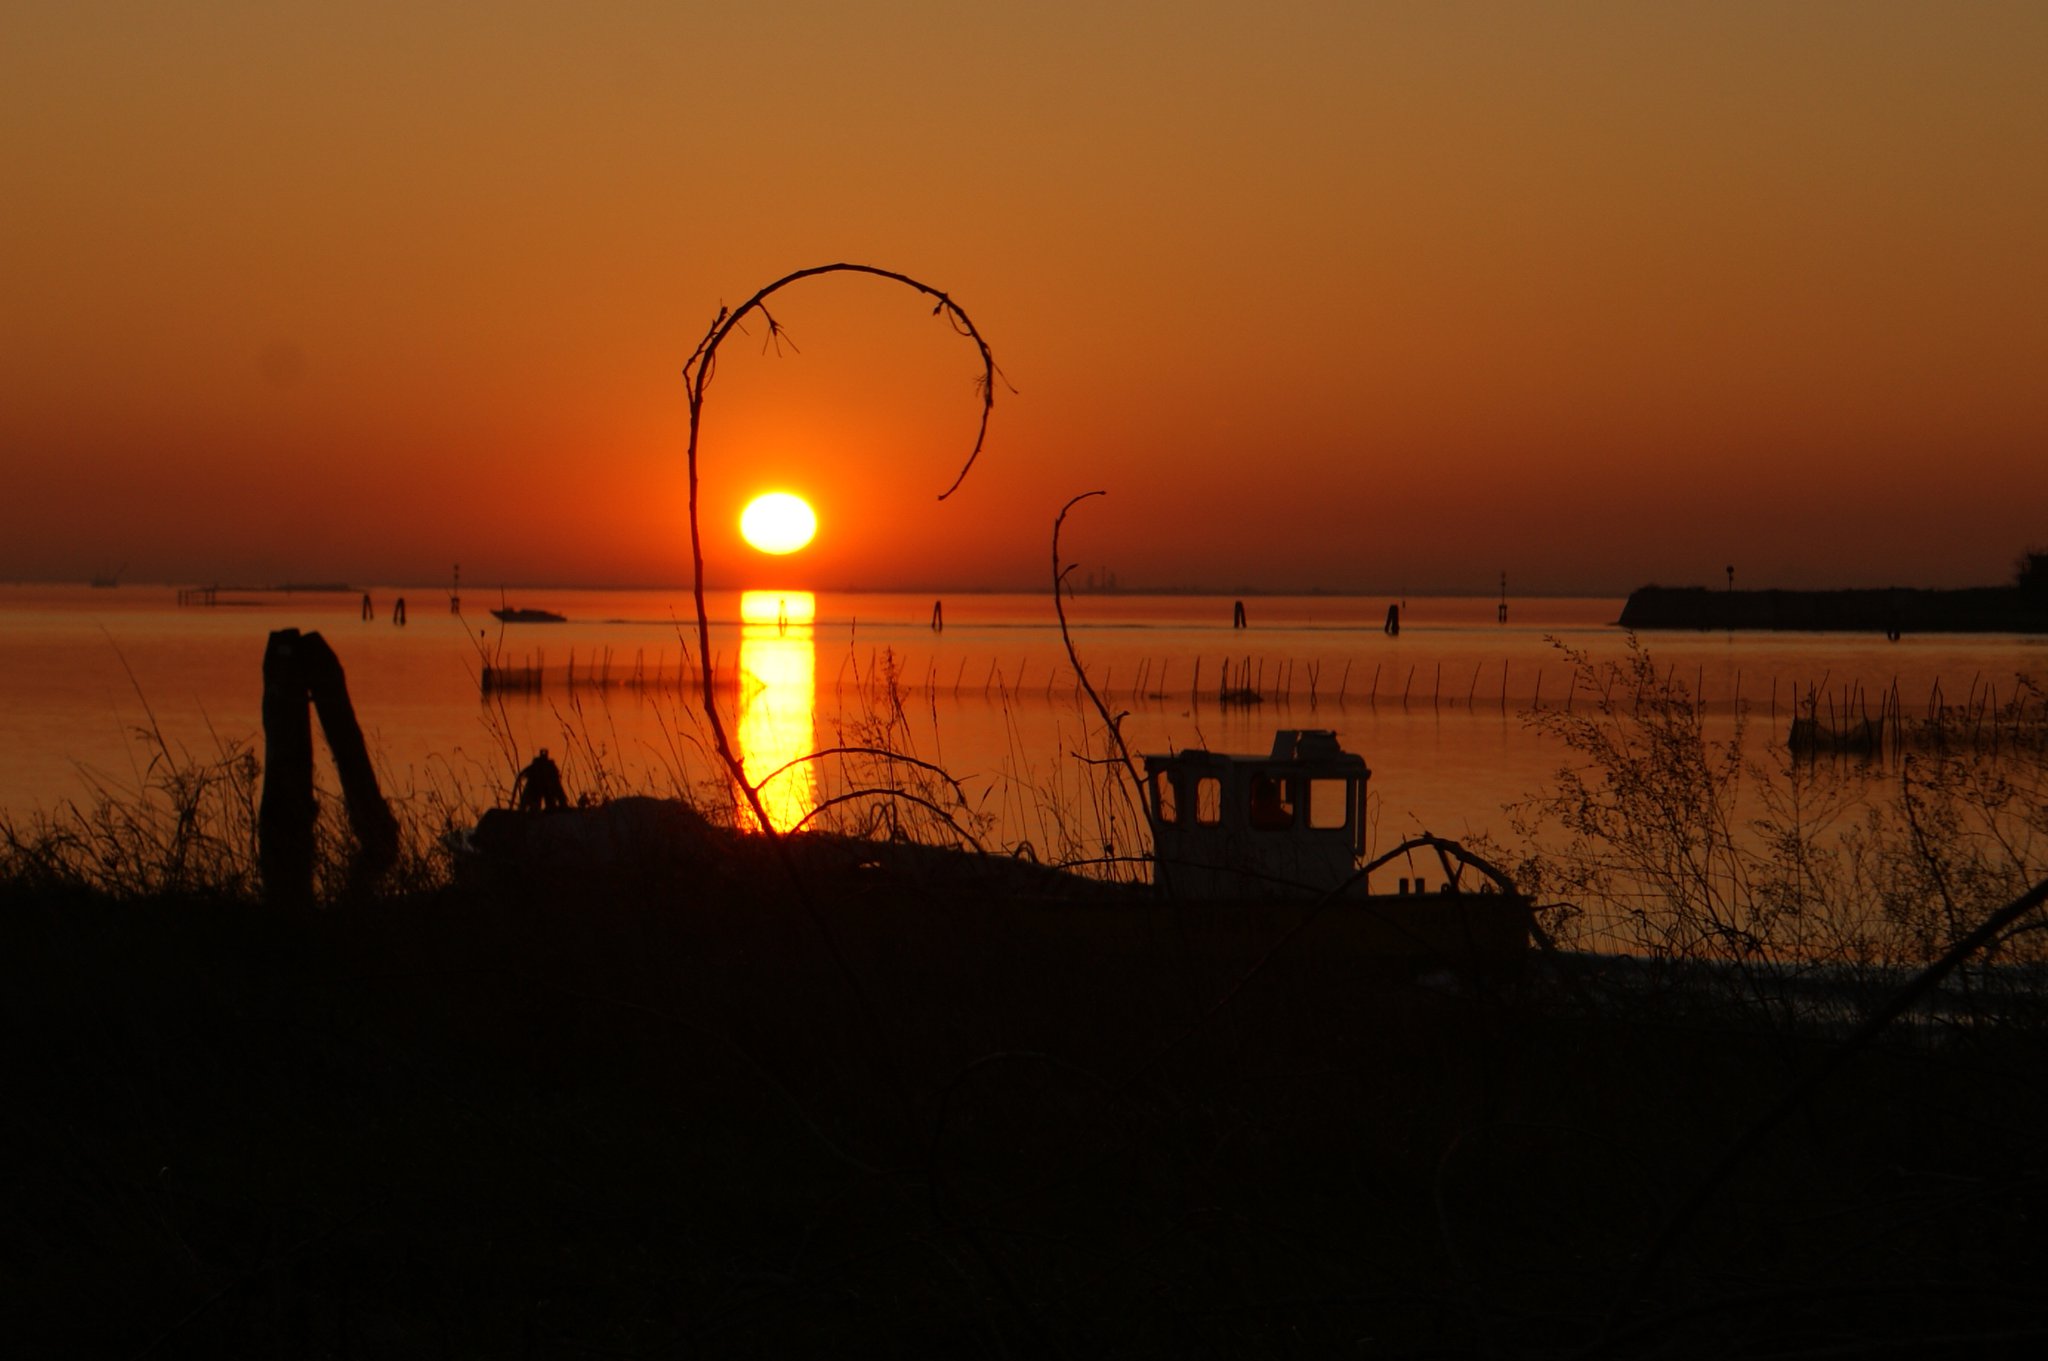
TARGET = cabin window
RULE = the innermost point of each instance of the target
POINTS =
(1208, 801)
(1272, 803)
(1328, 803)
(1164, 798)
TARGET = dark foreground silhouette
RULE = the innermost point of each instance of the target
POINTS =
(669, 1106)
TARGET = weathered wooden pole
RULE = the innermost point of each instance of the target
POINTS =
(284, 818)
(369, 817)
(301, 674)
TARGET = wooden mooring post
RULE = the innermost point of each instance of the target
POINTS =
(284, 817)
(302, 676)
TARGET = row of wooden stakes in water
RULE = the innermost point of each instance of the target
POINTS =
(1822, 726)
(533, 675)
(1823, 719)
(1240, 681)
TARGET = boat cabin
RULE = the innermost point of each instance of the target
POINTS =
(1290, 823)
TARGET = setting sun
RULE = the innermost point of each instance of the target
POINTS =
(778, 522)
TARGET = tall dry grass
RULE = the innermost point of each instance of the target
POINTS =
(183, 823)
(1666, 838)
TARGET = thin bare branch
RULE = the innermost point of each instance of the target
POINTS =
(876, 792)
(697, 374)
(1112, 722)
(882, 753)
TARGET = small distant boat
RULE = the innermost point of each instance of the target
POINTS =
(110, 580)
(512, 614)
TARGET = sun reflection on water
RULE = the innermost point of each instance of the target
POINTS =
(778, 701)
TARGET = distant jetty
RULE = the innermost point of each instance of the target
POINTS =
(1889, 611)
(2019, 607)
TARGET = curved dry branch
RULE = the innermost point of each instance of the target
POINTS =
(1446, 850)
(877, 792)
(883, 753)
(697, 372)
(1114, 723)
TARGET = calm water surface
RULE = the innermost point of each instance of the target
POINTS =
(1439, 711)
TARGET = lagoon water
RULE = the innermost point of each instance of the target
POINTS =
(1439, 711)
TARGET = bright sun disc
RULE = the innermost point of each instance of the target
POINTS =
(778, 522)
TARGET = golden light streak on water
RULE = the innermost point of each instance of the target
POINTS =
(778, 701)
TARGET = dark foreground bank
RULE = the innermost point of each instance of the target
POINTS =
(681, 1111)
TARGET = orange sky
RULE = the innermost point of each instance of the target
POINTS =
(1337, 294)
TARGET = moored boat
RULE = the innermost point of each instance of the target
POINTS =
(1281, 836)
